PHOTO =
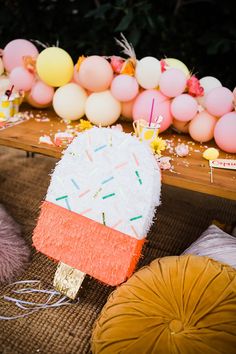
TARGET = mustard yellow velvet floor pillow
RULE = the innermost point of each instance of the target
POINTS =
(184, 305)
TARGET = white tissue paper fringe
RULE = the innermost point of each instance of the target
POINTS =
(110, 177)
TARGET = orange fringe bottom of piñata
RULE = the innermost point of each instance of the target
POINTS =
(95, 249)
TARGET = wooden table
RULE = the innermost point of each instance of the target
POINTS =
(191, 172)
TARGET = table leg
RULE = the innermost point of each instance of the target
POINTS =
(29, 154)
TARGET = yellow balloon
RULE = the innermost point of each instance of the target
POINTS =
(211, 154)
(177, 64)
(55, 66)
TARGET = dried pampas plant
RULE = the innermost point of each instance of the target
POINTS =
(127, 47)
(14, 253)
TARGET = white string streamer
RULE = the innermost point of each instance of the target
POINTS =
(24, 282)
(30, 306)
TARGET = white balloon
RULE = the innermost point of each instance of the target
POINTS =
(208, 83)
(148, 72)
(102, 108)
(69, 101)
(5, 84)
(1, 67)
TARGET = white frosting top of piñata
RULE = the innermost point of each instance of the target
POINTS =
(110, 177)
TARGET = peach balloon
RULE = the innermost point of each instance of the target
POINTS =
(143, 104)
(124, 88)
(219, 101)
(127, 109)
(201, 127)
(30, 100)
(1, 67)
(102, 108)
(225, 132)
(184, 107)
(75, 77)
(172, 82)
(234, 92)
(21, 78)
(181, 126)
(95, 74)
(41, 93)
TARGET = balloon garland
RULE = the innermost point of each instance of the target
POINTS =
(103, 88)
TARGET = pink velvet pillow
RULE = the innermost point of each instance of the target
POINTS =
(216, 244)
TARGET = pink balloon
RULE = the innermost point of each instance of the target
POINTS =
(184, 107)
(164, 110)
(95, 74)
(201, 127)
(172, 82)
(225, 132)
(219, 101)
(143, 104)
(21, 78)
(127, 109)
(180, 126)
(41, 93)
(124, 88)
(14, 52)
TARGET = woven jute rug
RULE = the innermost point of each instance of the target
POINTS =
(180, 219)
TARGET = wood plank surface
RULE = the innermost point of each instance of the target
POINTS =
(191, 172)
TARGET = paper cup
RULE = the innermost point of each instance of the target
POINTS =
(9, 106)
(16, 103)
(144, 131)
(6, 108)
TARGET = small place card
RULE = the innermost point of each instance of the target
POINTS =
(223, 163)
